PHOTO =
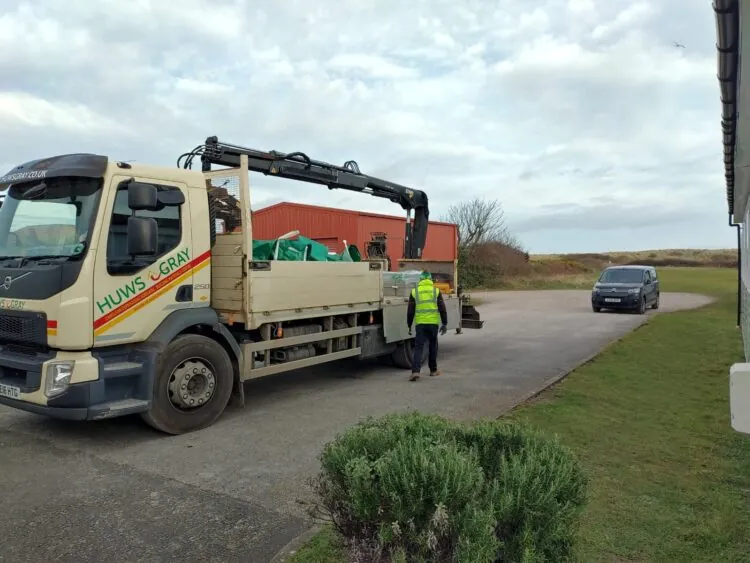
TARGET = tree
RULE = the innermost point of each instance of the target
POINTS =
(487, 250)
(481, 221)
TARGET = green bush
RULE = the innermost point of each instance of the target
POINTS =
(414, 487)
(537, 487)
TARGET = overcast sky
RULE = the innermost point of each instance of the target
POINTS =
(582, 117)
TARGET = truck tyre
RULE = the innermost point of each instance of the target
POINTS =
(192, 385)
(404, 352)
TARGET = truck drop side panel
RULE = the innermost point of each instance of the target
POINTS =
(283, 290)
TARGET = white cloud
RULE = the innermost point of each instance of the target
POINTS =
(630, 17)
(574, 113)
(370, 65)
(34, 113)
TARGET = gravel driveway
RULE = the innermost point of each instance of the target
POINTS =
(117, 491)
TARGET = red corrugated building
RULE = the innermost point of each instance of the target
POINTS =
(334, 226)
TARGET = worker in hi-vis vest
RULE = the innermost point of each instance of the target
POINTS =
(427, 310)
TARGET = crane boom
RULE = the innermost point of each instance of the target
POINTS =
(298, 166)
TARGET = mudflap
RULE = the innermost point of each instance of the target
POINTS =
(238, 393)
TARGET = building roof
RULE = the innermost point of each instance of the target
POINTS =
(728, 45)
(337, 210)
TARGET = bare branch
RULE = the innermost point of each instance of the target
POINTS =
(480, 221)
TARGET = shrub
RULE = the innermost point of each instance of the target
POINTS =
(486, 264)
(414, 487)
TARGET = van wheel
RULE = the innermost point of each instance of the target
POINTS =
(192, 385)
(656, 302)
(642, 306)
(404, 354)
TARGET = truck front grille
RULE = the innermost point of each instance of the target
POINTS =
(24, 327)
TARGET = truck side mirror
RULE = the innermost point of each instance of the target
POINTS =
(143, 235)
(142, 197)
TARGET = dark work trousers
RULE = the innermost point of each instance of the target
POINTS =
(428, 334)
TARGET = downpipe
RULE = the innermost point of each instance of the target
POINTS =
(739, 269)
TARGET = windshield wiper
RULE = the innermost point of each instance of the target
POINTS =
(23, 260)
(47, 256)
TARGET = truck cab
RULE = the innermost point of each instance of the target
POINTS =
(81, 257)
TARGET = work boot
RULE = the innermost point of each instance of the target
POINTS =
(435, 373)
(414, 376)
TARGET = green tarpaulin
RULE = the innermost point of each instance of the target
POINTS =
(301, 249)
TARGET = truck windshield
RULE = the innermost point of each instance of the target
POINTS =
(621, 275)
(50, 219)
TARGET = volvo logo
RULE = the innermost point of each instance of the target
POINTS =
(9, 280)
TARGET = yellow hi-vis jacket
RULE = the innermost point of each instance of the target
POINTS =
(426, 299)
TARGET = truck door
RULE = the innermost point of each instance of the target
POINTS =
(133, 295)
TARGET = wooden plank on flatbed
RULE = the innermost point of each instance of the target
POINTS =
(226, 283)
(227, 250)
(219, 261)
(234, 272)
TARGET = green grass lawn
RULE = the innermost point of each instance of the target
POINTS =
(324, 547)
(649, 418)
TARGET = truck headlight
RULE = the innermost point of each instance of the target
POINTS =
(58, 378)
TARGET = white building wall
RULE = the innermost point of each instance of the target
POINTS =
(745, 294)
(739, 374)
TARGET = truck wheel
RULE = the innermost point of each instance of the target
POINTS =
(404, 353)
(192, 385)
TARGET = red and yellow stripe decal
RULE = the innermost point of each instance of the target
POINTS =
(51, 328)
(107, 321)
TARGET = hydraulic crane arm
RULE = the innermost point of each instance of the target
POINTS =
(298, 166)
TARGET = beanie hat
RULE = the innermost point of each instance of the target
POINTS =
(425, 275)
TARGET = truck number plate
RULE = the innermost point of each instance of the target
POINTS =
(612, 299)
(9, 391)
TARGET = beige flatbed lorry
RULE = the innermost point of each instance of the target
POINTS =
(120, 295)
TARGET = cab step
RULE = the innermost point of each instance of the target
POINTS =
(122, 369)
(117, 408)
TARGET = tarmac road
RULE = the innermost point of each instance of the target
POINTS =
(118, 491)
